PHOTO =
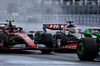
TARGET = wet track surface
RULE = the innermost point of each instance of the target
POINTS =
(36, 58)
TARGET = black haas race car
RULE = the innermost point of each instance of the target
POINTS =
(66, 38)
(14, 38)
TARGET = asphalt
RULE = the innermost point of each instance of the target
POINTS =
(36, 58)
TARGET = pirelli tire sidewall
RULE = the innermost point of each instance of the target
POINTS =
(87, 49)
(47, 39)
(4, 38)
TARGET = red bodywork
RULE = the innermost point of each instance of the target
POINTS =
(70, 46)
(17, 31)
(25, 37)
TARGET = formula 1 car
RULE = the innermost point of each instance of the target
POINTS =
(14, 38)
(88, 48)
(43, 37)
(66, 38)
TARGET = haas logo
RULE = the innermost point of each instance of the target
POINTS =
(57, 26)
(54, 26)
(62, 26)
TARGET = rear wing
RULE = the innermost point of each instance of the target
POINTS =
(54, 26)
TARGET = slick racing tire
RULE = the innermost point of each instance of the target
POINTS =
(87, 49)
(46, 51)
(4, 38)
(47, 39)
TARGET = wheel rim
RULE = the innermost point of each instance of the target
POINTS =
(80, 49)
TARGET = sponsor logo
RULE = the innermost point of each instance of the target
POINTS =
(56, 26)
(94, 31)
(40, 45)
(19, 45)
(2, 25)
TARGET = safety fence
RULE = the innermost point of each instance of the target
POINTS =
(78, 19)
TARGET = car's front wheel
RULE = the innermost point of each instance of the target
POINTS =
(4, 38)
(87, 49)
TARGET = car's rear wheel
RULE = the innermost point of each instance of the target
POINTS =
(87, 49)
(47, 40)
(4, 38)
(44, 38)
(46, 51)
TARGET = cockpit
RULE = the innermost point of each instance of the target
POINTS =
(14, 29)
(71, 30)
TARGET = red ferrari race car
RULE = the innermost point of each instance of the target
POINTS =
(14, 38)
(66, 38)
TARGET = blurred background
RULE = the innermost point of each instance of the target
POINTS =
(82, 12)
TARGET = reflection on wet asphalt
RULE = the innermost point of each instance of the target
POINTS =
(36, 58)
